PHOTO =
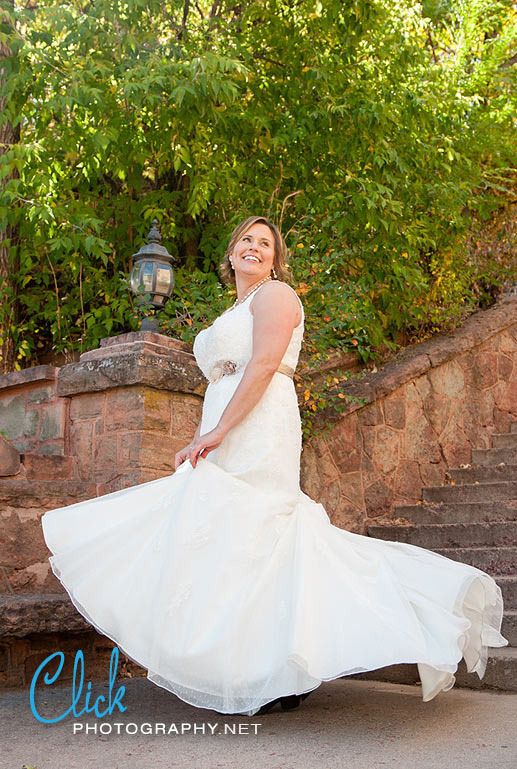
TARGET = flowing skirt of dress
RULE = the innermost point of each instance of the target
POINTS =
(232, 588)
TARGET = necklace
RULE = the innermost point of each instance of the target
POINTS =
(268, 277)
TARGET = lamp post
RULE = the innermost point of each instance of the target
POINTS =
(152, 269)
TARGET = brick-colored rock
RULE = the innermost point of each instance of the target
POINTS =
(87, 406)
(12, 415)
(310, 478)
(81, 447)
(332, 496)
(447, 379)
(422, 386)
(105, 457)
(176, 372)
(37, 395)
(38, 466)
(157, 405)
(53, 421)
(505, 367)
(125, 409)
(437, 409)
(54, 448)
(506, 396)
(130, 449)
(31, 421)
(420, 441)
(378, 498)
(367, 434)
(432, 474)
(347, 456)
(395, 411)
(352, 489)
(138, 409)
(157, 452)
(387, 449)
(23, 615)
(9, 458)
(186, 411)
(371, 415)
(407, 483)
(21, 540)
(454, 444)
(346, 517)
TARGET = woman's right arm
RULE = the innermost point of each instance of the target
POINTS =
(183, 454)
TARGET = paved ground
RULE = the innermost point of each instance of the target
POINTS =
(347, 723)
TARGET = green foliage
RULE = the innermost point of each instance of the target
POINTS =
(372, 131)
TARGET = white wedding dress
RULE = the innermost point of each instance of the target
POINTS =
(231, 586)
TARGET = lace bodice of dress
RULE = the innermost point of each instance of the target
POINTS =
(230, 339)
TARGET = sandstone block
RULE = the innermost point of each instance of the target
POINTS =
(370, 415)
(53, 421)
(87, 406)
(37, 395)
(407, 483)
(420, 442)
(9, 458)
(432, 474)
(31, 422)
(12, 415)
(447, 379)
(351, 487)
(105, 458)
(387, 449)
(378, 499)
(505, 366)
(437, 409)
(395, 411)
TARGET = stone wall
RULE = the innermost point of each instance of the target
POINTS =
(424, 413)
(32, 415)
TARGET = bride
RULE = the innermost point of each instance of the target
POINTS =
(224, 579)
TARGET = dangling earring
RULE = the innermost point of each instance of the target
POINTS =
(274, 272)
(231, 263)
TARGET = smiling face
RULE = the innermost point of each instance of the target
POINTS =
(254, 253)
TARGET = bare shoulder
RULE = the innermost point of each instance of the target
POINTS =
(274, 293)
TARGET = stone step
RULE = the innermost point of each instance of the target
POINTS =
(471, 492)
(504, 440)
(27, 613)
(431, 535)
(492, 560)
(49, 467)
(46, 494)
(508, 585)
(513, 427)
(458, 512)
(484, 474)
(493, 457)
(509, 626)
(500, 673)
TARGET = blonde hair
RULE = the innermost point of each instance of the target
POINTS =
(281, 269)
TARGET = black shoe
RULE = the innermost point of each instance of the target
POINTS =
(267, 707)
(290, 702)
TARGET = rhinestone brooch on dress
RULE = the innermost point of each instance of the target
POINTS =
(221, 368)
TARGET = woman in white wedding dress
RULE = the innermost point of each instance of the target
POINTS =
(228, 583)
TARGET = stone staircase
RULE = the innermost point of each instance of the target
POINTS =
(473, 519)
(31, 599)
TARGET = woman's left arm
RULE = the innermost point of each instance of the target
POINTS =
(274, 317)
